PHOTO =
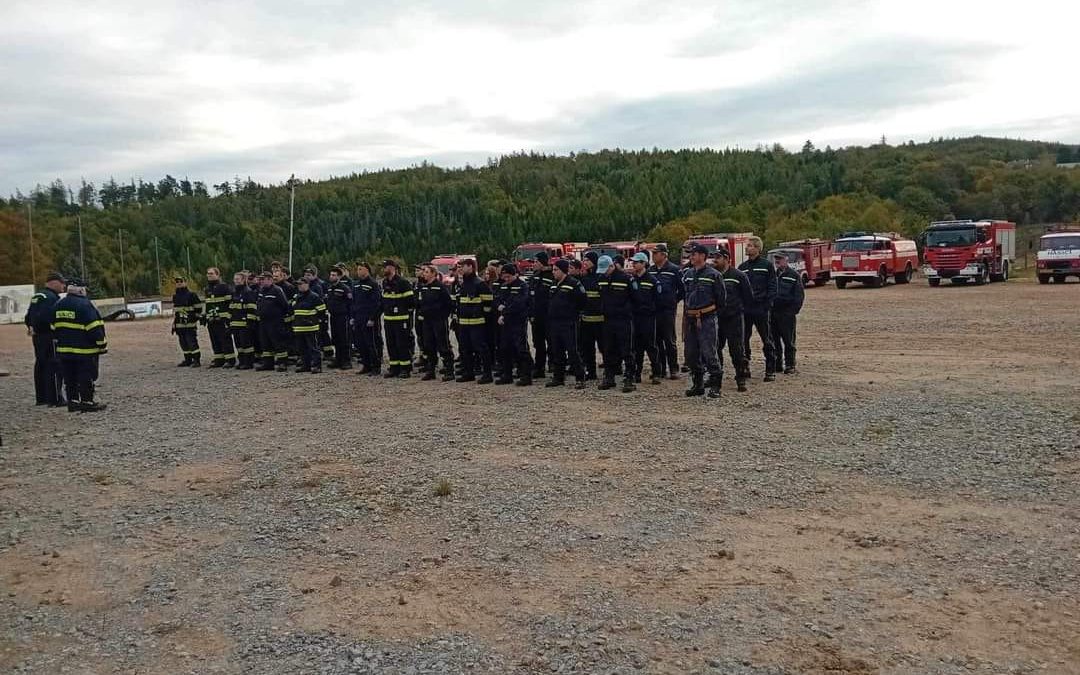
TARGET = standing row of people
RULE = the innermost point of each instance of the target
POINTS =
(574, 308)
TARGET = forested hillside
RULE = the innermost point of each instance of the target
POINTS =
(414, 213)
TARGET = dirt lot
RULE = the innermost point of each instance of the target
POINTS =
(907, 504)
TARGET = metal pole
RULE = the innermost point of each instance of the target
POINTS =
(33, 262)
(188, 251)
(123, 271)
(292, 213)
(82, 257)
(157, 264)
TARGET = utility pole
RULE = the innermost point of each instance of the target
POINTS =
(292, 212)
(30, 222)
(187, 249)
(157, 264)
(123, 271)
(82, 256)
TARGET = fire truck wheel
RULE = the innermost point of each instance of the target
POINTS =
(1004, 276)
(984, 276)
(1044, 278)
(842, 283)
(935, 282)
(905, 276)
(880, 280)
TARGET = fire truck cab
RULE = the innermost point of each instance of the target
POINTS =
(811, 258)
(524, 255)
(959, 250)
(734, 242)
(1059, 254)
(871, 258)
(445, 262)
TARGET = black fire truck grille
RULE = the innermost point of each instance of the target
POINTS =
(1058, 264)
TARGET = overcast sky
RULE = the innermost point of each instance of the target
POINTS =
(214, 89)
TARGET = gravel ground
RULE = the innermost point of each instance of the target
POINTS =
(906, 504)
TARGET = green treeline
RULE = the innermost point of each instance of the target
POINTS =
(414, 213)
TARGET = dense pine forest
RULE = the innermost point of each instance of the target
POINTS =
(411, 214)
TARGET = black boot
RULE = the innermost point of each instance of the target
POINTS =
(557, 380)
(740, 384)
(90, 406)
(486, 378)
(391, 373)
(608, 382)
(714, 386)
(770, 377)
(184, 364)
(195, 363)
(229, 364)
(628, 385)
(428, 376)
(697, 385)
(579, 382)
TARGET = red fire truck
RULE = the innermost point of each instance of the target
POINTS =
(959, 250)
(811, 258)
(872, 257)
(444, 262)
(1059, 254)
(574, 250)
(524, 255)
(734, 242)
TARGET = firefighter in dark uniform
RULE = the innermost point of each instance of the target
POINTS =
(564, 306)
(617, 303)
(513, 309)
(39, 316)
(318, 287)
(398, 300)
(308, 311)
(284, 281)
(540, 285)
(366, 320)
(492, 277)
(339, 306)
(473, 296)
(789, 301)
(80, 341)
(705, 295)
(730, 316)
(274, 334)
(762, 277)
(187, 312)
(239, 324)
(251, 307)
(591, 325)
(433, 303)
(216, 317)
(670, 277)
(647, 291)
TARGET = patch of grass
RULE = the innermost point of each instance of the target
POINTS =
(102, 479)
(443, 488)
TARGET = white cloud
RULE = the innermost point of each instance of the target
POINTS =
(268, 89)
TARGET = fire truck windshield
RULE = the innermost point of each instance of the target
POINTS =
(950, 237)
(1071, 243)
(443, 268)
(843, 245)
(526, 253)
